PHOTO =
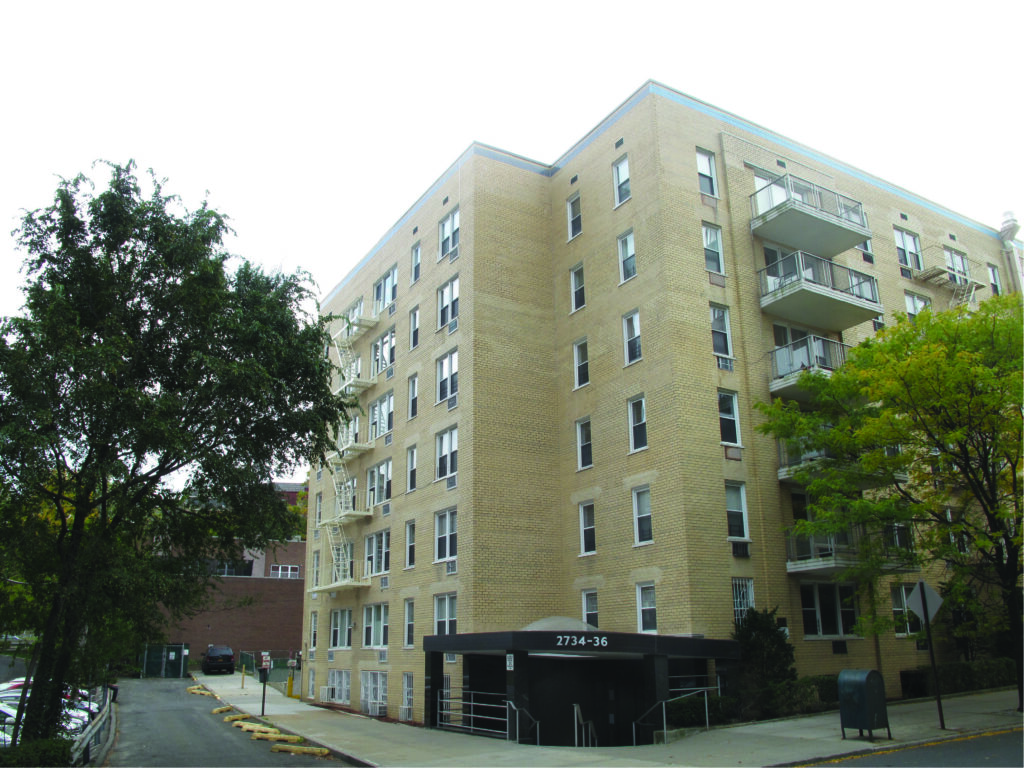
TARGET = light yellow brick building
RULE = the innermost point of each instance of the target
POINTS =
(557, 366)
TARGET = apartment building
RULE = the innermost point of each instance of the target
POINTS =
(554, 503)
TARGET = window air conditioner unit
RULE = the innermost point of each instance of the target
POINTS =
(391, 309)
(387, 439)
(385, 509)
(330, 655)
(453, 401)
(389, 372)
(450, 482)
(741, 549)
(453, 254)
(453, 326)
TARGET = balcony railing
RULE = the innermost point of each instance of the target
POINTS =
(808, 354)
(804, 267)
(807, 194)
(805, 547)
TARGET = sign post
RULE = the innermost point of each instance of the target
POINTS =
(264, 674)
(925, 602)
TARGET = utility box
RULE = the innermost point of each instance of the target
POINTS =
(862, 701)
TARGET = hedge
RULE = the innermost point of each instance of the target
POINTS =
(47, 753)
(958, 677)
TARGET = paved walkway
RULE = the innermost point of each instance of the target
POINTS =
(778, 742)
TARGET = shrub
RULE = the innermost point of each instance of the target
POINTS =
(44, 752)
(957, 677)
(689, 712)
(827, 687)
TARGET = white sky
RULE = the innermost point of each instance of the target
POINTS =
(316, 125)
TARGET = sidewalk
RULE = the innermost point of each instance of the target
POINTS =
(778, 742)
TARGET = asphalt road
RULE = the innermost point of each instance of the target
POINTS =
(160, 724)
(996, 749)
(11, 667)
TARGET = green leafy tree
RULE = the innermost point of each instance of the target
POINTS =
(918, 439)
(767, 662)
(148, 396)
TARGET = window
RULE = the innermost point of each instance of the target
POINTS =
(448, 303)
(410, 468)
(319, 514)
(637, 424)
(908, 251)
(409, 638)
(278, 571)
(385, 290)
(414, 391)
(828, 609)
(311, 690)
(590, 606)
(736, 510)
(378, 483)
(341, 628)
(706, 177)
(588, 540)
(315, 568)
(313, 621)
(410, 544)
(620, 176)
(627, 257)
(414, 328)
(382, 415)
(405, 713)
(373, 691)
(448, 232)
(584, 451)
(447, 375)
(721, 339)
(382, 353)
(728, 417)
(378, 553)
(646, 610)
(339, 681)
(446, 538)
(343, 563)
(712, 248)
(916, 304)
(444, 614)
(643, 531)
(447, 453)
(414, 269)
(375, 625)
(957, 267)
(865, 251)
(581, 363)
(631, 336)
(742, 598)
(575, 216)
(576, 286)
(904, 620)
(993, 279)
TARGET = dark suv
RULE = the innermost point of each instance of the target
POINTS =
(219, 658)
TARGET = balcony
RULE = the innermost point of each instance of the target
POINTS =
(354, 326)
(823, 554)
(348, 446)
(792, 461)
(346, 509)
(343, 576)
(809, 290)
(793, 211)
(811, 353)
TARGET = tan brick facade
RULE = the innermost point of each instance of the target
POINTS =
(518, 487)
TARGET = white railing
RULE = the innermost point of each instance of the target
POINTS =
(802, 267)
(480, 712)
(808, 353)
(808, 194)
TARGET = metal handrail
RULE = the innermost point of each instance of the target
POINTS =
(534, 721)
(808, 353)
(664, 713)
(809, 194)
(579, 722)
(800, 266)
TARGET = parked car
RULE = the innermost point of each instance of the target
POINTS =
(219, 658)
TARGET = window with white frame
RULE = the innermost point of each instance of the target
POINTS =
(447, 452)
(382, 353)
(448, 234)
(631, 336)
(409, 637)
(581, 363)
(736, 510)
(588, 536)
(446, 537)
(378, 553)
(993, 280)
(341, 628)
(590, 606)
(319, 513)
(447, 375)
(742, 598)
(908, 251)
(375, 625)
(904, 620)
(278, 571)
(410, 544)
(313, 626)
(339, 685)
(957, 268)
(448, 303)
(410, 468)
(415, 260)
(378, 483)
(620, 176)
(444, 614)
(382, 415)
(405, 713)
(712, 248)
(584, 449)
(414, 393)
(574, 214)
(414, 328)
(721, 338)
(373, 692)
(637, 423)
(577, 293)
(315, 568)
(916, 304)
(646, 608)
(352, 314)
(706, 177)
(828, 609)
(627, 257)
(643, 529)
(311, 690)
(385, 290)
(728, 417)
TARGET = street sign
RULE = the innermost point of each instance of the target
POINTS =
(924, 594)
